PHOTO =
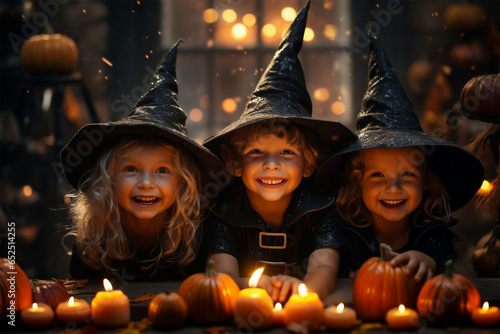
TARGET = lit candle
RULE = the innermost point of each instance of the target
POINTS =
(486, 316)
(73, 310)
(39, 315)
(110, 308)
(278, 314)
(340, 318)
(305, 307)
(401, 318)
(254, 306)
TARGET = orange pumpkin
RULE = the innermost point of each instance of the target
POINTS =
(448, 298)
(486, 257)
(167, 310)
(464, 15)
(15, 288)
(378, 287)
(49, 54)
(210, 296)
(51, 293)
(480, 96)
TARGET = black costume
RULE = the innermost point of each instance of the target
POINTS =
(235, 228)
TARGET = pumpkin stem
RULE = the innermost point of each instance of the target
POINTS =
(385, 249)
(448, 269)
(210, 269)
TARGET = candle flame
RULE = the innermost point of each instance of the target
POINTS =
(302, 290)
(401, 308)
(71, 301)
(278, 307)
(486, 306)
(255, 278)
(107, 285)
(340, 308)
(35, 305)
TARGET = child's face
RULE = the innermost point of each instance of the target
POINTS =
(392, 186)
(145, 182)
(271, 168)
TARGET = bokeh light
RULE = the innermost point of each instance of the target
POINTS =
(229, 105)
(269, 30)
(195, 114)
(229, 15)
(308, 35)
(249, 20)
(330, 32)
(27, 191)
(239, 31)
(321, 94)
(210, 15)
(288, 14)
(338, 108)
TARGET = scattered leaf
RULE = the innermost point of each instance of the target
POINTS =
(134, 327)
(216, 330)
(143, 298)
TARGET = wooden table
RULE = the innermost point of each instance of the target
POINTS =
(489, 289)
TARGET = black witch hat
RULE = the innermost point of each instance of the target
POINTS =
(281, 94)
(387, 119)
(156, 113)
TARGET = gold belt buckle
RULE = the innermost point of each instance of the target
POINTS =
(269, 234)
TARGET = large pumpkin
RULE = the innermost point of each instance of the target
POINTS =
(448, 299)
(167, 310)
(378, 287)
(480, 96)
(51, 293)
(210, 296)
(15, 288)
(49, 54)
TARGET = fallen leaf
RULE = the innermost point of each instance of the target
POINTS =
(216, 330)
(134, 327)
(143, 298)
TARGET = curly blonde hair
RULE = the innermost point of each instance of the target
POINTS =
(96, 217)
(300, 136)
(350, 205)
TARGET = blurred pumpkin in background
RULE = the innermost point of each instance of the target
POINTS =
(49, 54)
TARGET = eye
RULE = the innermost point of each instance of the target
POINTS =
(130, 169)
(254, 151)
(287, 152)
(376, 174)
(163, 170)
(408, 173)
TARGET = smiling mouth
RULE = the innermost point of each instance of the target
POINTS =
(393, 204)
(272, 182)
(146, 200)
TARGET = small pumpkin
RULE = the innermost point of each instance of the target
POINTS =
(464, 15)
(51, 293)
(448, 298)
(378, 287)
(480, 96)
(466, 55)
(210, 296)
(15, 288)
(486, 257)
(49, 54)
(167, 310)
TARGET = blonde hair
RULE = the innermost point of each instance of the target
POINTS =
(96, 217)
(300, 136)
(350, 205)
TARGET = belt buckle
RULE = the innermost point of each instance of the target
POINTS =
(269, 234)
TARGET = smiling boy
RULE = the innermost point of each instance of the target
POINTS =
(271, 215)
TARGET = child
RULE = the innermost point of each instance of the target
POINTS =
(270, 215)
(401, 184)
(138, 206)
